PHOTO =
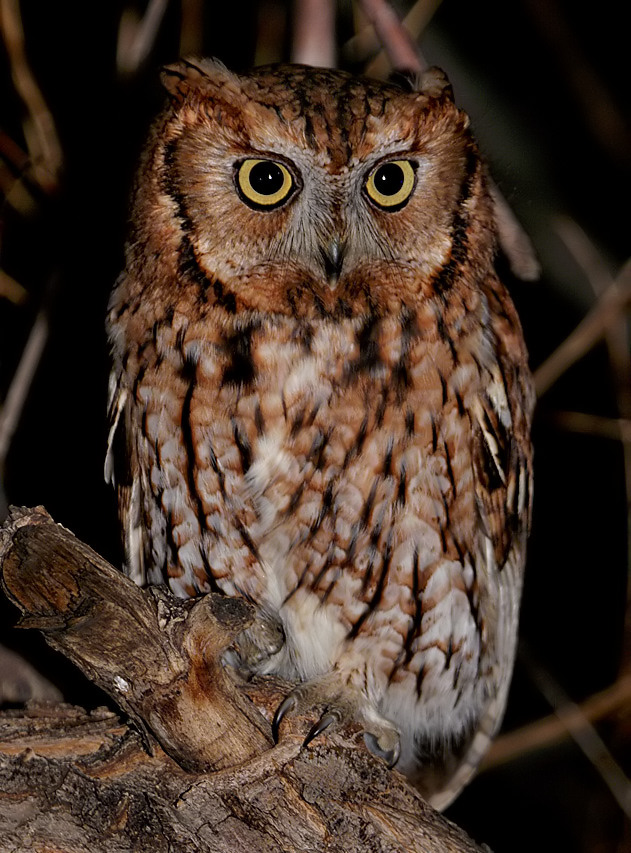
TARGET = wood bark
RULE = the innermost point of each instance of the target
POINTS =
(191, 764)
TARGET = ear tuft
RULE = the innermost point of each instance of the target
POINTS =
(405, 79)
(188, 75)
(434, 83)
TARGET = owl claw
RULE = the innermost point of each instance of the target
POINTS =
(330, 718)
(390, 756)
(380, 735)
(288, 704)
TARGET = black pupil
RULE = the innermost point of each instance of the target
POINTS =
(266, 178)
(389, 179)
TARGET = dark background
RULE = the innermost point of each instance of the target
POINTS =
(541, 81)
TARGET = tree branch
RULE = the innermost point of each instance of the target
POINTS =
(211, 779)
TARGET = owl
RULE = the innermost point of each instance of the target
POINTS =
(320, 399)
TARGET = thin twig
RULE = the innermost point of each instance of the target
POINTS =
(397, 42)
(589, 331)
(313, 38)
(21, 383)
(617, 429)
(137, 37)
(600, 278)
(365, 42)
(12, 153)
(11, 289)
(515, 243)
(16, 194)
(39, 127)
(551, 730)
(583, 733)
(17, 182)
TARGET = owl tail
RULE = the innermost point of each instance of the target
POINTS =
(450, 772)
(442, 781)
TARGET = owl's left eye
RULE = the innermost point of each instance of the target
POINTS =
(264, 184)
(390, 185)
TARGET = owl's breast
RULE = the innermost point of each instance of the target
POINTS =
(314, 453)
(282, 442)
(324, 472)
(332, 456)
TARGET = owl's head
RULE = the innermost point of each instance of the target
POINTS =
(296, 189)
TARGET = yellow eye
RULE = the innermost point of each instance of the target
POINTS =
(390, 185)
(264, 183)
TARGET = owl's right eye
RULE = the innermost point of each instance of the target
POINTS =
(264, 184)
(391, 184)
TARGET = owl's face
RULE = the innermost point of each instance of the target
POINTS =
(299, 187)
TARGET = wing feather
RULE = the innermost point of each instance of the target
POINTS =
(501, 418)
(122, 471)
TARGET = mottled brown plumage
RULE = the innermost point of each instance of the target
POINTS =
(320, 397)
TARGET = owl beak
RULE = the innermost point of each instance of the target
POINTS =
(333, 259)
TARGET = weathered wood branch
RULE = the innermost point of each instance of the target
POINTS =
(196, 769)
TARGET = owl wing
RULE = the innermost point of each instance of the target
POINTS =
(122, 470)
(501, 417)
(502, 467)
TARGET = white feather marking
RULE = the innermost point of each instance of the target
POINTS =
(135, 537)
(303, 377)
(120, 404)
(315, 635)
(489, 438)
(521, 494)
(272, 461)
(497, 395)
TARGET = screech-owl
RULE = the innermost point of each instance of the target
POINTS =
(320, 397)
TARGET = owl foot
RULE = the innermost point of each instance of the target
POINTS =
(342, 704)
(264, 638)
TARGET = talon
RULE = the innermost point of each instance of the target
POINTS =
(323, 723)
(390, 756)
(394, 754)
(288, 704)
